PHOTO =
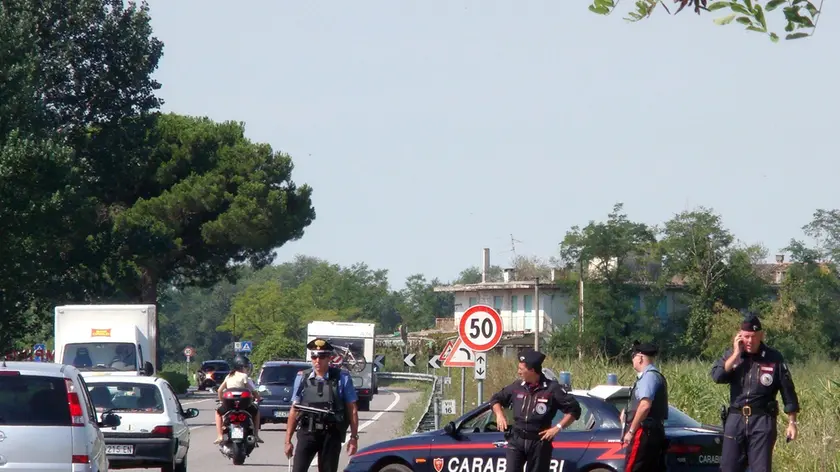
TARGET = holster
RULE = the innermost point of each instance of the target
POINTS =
(724, 413)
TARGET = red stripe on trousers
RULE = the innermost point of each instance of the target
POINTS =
(628, 467)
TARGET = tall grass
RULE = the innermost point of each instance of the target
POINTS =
(691, 390)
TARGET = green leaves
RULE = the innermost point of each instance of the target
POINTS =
(798, 14)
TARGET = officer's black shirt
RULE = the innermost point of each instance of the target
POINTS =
(526, 401)
(757, 378)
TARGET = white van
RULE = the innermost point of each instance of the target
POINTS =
(353, 343)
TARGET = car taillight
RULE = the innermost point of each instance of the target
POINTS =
(684, 449)
(77, 417)
(162, 431)
(81, 459)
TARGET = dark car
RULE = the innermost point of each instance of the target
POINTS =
(592, 444)
(275, 385)
(211, 374)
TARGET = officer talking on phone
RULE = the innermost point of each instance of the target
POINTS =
(755, 373)
(535, 400)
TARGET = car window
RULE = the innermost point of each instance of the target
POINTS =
(176, 401)
(86, 398)
(126, 396)
(223, 366)
(279, 375)
(676, 417)
(586, 421)
(479, 423)
(33, 400)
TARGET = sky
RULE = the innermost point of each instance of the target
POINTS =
(431, 129)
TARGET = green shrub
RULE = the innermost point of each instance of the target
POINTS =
(180, 382)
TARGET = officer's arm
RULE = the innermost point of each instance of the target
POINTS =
(291, 421)
(723, 368)
(789, 396)
(351, 397)
(568, 404)
(502, 399)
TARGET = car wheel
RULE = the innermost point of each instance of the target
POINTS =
(396, 468)
(182, 467)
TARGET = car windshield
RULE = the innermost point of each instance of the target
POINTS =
(126, 396)
(676, 417)
(33, 400)
(279, 374)
(101, 356)
(218, 365)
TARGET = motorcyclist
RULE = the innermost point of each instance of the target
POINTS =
(238, 378)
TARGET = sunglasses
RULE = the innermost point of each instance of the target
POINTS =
(319, 356)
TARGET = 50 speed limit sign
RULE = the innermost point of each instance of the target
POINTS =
(480, 328)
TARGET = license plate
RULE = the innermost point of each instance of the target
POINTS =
(236, 432)
(280, 414)
(119, 449)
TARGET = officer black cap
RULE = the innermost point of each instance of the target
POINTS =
(751, 323)
(647, 349)
(319, 346)
(532, 359)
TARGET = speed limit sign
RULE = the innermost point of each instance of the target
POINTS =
(480, 328)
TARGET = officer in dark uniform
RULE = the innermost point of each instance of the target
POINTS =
(535, 401)
(327, 388)
(646, 413)
(755, 374)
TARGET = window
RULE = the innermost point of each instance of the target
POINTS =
(102, 356)
(175, 398)
(585, 423)
(473, 301)
(497, 303)
(279, 375)
(527, 299)
(215, 365)
(483, 423)
(33, 400)
(676, 417)
(126, 396)
(514, 303)
(86, 398)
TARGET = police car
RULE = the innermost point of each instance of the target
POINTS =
(472, 443)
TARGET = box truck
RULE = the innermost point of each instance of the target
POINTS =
(107, 339)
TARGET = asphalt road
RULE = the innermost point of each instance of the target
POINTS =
(382, 422)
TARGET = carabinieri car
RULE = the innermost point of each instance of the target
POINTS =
(472, 443)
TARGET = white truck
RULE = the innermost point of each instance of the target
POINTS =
(353, 343)
(107, 339)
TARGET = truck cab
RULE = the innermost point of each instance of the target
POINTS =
(353, 344)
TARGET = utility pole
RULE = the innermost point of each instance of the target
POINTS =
(580, 311)
(537, 313)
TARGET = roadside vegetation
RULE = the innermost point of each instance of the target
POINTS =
(414, 411)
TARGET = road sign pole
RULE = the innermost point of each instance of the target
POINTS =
(463, 388)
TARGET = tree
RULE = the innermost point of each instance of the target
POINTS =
(798, 14)
(65, 66)
(421, 305)
(613, 258)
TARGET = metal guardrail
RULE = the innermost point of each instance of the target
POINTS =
(431, 411)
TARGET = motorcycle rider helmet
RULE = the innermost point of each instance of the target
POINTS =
(241, 363)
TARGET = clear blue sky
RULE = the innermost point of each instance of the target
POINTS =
(431, 129)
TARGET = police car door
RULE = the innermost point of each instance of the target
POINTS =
(476, 445)
(571, 446)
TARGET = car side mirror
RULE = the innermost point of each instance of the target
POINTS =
(148, 369)
(110, 420)
(191, 413)
(451, 429)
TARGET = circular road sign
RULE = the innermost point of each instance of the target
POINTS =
(188, 351)
(480, 328)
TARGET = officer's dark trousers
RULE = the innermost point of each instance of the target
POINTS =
(327, 446)
(748, 443)
(646, 451)
(533, 454)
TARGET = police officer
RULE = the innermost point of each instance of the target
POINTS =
(328, 388)
(755, 373)
(646, 413)
(535, 401)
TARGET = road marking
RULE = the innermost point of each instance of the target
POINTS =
(379, 415)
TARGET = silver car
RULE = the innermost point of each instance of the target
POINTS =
(47, 404)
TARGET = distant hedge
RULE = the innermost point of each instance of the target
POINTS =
(180, 382)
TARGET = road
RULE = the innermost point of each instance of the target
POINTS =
(382, 422)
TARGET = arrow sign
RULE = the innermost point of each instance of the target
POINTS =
(434, 362)
(409, 360)
(480, 365)
(378, 360)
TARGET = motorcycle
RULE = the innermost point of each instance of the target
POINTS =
(237, 425)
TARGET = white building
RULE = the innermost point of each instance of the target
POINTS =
(514, 300)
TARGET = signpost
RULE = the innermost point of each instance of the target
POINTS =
(39, 350)
(245, 346)
(448, 407)
(480, 330)
(408, 360)
(378, 361)
(434, 362)
(189, 352)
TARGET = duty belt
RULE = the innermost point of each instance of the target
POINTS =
(751, 410)
(529, 435)
(652, 423)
